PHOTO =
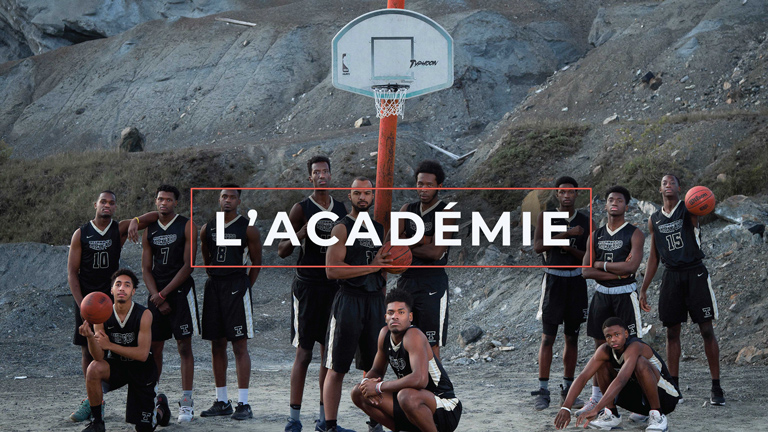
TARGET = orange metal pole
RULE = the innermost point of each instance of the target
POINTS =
(385, 165)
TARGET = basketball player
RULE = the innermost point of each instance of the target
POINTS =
(632, 376)
(121, 355)
(358, 309)
(94, 255)
(617, 248)
(312, 292)
(563, 291)
(685, 286)
(168, 252)
(422, 397)
(428, 286)
(227, 310)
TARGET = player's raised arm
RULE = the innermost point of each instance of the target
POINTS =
(73, 267)
(129, 228)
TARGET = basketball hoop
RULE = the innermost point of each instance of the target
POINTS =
(390, 99)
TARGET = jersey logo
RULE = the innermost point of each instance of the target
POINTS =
(366, 243)
(123, 338)
(398, 364)
(610, 245)
(100, 245)
(671, 227)
(164, 240)
(433, 293)
(700, 274)
(89, 236)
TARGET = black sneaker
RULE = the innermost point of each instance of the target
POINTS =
(95, 426)
(161, 404)
(541, 402)
(218, 408)
(242, 412)
(578, 403)
(717, 396)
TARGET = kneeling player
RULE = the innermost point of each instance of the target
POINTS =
(421, 398)
(125, 337)
(629, 372)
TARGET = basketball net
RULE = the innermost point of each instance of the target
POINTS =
(390, 99)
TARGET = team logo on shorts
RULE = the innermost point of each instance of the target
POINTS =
(146, 417)
(431, 336)
(707, 312)
(586, 313)
(238, 330)
(632, 329)
(184, 329)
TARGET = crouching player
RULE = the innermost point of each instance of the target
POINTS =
(121, 355)
(421, 398)
(629, 372)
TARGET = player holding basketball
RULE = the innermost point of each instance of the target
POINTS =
(312, 292)
(358, 309)
(121, 356)
(685, 287)
(422, 397)
(169, 249)
(428, 286)
(632, 376)
(563, 291)
(617, 248)
(227, 307)
(94, 255)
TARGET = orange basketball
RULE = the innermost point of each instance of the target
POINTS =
(401, 256)
(700, 200)
(96, 308)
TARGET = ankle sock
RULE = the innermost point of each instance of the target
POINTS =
(296, 412)
(544, 383)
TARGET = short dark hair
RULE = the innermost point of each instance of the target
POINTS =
(231, 186)
(168, 188)
(619, 189)
(612, 321)
(318, 159)
(126, 272)
(431, 167)
(109, 192)
(362, 178)
(566, 180)
(399, 295)
(677, 179)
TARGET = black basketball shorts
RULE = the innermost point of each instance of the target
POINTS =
(603, 306)
(227, 309)
(356, 320)
(563, 301)
(687, 292)
(311, 311)
(183, 321)
(430, 305)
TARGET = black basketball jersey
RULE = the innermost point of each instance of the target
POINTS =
(428, 217)
(614, 247)
(400, 361)
(227, 255)
(310, 253)
(362, 252)
(677, 241)
(127, 334)
(665, 381)
(167, 243)
(559, 257)
(100, 257)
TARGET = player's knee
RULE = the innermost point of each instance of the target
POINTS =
(303, 356)
(184, 347)
(143, 427)
(547, 340)
(97, 370)
(240, 348)
(408, 400)
(572, 340)
(357, 396)
(707, 331)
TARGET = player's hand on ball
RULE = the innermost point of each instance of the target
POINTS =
(85, 329)
(102, 339)
(381, 259)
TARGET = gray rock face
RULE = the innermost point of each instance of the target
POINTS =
(470, 334)
(739, 209)
(38, 26)
(612, 21)
(131, 140)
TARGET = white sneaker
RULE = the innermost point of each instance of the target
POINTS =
(605, 421)
(591, 403)
(657, 422)
(638, 418)
(186, 411)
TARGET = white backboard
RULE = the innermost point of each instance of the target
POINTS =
(392, 46)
